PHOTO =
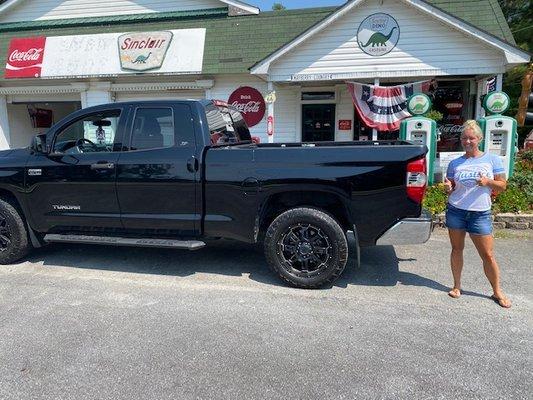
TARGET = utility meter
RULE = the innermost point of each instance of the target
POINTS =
(421, 130)
(499, 131)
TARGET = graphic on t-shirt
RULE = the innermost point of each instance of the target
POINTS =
(469, 175)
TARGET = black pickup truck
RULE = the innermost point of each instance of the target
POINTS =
(175, 174)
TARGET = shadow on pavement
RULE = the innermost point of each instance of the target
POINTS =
(379, 265)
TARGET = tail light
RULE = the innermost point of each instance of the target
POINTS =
(416, 180)
(256, 139)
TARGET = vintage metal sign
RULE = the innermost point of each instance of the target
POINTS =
(250, 103)
(143, 51)
(378, 34)
(418, 104)
(496, 103)
(25, 57)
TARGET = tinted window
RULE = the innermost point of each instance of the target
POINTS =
(152, 128)
(92, 133)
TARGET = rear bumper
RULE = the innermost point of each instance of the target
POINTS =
(409, 231)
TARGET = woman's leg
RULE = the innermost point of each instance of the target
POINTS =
(457, 240)
(484, 246)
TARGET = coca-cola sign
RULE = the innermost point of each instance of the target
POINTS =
(250, 103)
(25, 57)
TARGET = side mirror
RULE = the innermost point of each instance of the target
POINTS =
(38, 144)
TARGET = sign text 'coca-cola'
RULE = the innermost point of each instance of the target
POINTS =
(25, 57)
(250, 103)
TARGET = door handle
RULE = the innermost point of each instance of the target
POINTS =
(192, 164)
(102, 165)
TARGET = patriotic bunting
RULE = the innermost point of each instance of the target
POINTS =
(383, 107)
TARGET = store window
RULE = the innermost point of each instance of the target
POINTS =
(451, 99)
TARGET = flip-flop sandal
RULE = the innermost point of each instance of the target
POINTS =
(499, 301)
(454, 296)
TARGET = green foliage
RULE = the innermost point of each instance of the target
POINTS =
(512, 200)
(435, 199)
(434, 115)
(278, 7)
(519, 193)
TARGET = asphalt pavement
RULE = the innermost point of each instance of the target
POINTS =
(90, 322)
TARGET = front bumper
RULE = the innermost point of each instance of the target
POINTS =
(409, 231)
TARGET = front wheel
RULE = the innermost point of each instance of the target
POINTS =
(13, 235)
(306, 247)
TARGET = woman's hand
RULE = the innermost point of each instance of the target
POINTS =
(482, 180)
(498, 184)
(448, 185)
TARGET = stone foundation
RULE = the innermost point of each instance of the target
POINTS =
(501, 221)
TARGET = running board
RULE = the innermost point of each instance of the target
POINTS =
(120, 241)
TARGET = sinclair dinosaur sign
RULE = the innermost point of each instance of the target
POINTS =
(378, 34)
(143, 51)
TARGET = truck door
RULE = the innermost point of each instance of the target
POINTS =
(157, 177)
(73, 185)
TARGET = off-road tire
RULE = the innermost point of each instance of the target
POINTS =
(326, 229)
(13, 234)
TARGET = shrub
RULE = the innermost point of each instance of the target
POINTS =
(435, 199)
(511, 200)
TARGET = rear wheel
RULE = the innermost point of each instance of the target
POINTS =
(13, 235)
(306, 247)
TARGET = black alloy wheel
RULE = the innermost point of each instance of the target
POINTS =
(14, 242)
(306, 247)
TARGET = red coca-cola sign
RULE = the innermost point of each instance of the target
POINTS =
(250, 103)
(25, 57)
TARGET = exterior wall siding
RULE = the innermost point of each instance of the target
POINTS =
(29, 10)
(335, 49)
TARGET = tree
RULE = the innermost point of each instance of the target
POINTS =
(519, 16)
(278, 7)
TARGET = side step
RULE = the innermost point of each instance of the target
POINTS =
(120, 241)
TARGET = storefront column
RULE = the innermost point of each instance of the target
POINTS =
(375, 131)
(4, 124)
(479, 93)
(97, 93)
(499, 82)
(270, 114)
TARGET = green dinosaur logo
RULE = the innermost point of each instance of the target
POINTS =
(141, 59)
(419, 107)
(496, 103)
(378, 34)
(378, 39)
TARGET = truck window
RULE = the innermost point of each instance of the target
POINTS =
(92, 133)
(152, 128)
(226, 125)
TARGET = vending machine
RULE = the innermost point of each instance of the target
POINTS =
(499, 131)
(421, 130)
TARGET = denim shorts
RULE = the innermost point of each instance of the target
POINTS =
(475, 222)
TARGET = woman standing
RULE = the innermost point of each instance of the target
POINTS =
(470, 179)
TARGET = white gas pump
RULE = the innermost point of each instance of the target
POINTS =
(499, 131)
(421, 130)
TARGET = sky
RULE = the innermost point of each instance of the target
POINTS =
(266, 5)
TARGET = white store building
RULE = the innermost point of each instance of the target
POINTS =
(62, 55)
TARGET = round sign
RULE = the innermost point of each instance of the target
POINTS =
(496, 103)
(250, 103)
(378, 34)
(418, 104)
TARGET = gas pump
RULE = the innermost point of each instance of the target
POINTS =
(421, 130)
(499, 131)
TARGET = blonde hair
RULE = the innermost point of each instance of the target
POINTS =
(472, 124)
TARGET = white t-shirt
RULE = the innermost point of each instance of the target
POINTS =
(467, 195)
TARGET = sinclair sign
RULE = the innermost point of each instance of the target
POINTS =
(143, 51)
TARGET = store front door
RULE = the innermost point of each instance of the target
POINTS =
(318, 122)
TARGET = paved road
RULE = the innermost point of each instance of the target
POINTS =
(81, 322)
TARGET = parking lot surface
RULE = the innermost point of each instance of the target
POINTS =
(86, 322)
